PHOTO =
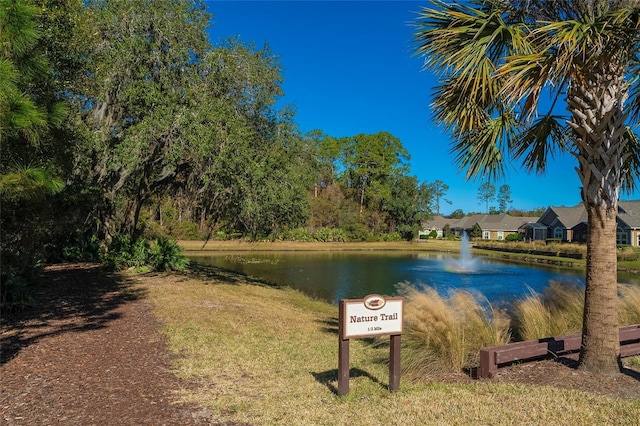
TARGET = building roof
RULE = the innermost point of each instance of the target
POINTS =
(438, 222)
(488, 222)
(535, 225)
(566, 217)
(569, 217)
(629, 213)
(503, 222)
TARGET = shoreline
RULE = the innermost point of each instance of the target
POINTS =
(193, 247)
(200, 248)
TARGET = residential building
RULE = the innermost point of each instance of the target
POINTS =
(569, 224)
(494, 227)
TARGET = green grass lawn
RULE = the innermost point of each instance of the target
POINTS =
(269, 356)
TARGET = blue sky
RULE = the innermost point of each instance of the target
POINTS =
(349, 68)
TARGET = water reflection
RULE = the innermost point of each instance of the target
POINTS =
(332, 276)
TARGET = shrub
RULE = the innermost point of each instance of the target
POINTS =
(16, 293)
(391, 237)
(124, 252)
(186, 230)
(153, 229)
(82, 250)
(628, 253)
(357, 232)
(336, 235)
(166, 255)
(633, 361)
(298, 234)
(447, 333)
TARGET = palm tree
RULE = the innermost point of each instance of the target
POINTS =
(497, 59)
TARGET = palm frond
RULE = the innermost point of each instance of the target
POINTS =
(453, 108)
(483, 152)
(588, 39)
(525, 76)
(467, 44)
(539, 141)
(631, 169)
(634, 90)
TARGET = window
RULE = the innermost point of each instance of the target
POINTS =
(500, 235)
(486, 235)
(557, 233)
(621, 237)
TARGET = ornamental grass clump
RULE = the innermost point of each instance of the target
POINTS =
(629, 308)
(447, 333)
(557, 311)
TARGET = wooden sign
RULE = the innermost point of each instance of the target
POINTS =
(372, 316)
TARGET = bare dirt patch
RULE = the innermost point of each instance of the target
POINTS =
(563, 373)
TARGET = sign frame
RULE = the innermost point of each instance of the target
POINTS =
(356, 320)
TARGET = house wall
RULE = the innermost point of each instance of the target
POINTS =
(428, 231)
(497, 235)
(579, 233)
(635, 238)
(530, 233)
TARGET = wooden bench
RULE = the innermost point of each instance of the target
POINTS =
(498, 356)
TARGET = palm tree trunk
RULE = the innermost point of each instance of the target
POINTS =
(600, 336)
(596, 104)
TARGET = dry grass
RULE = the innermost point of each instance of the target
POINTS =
(559, 311)
(268, 356)
(556, 312)
(629, 310)
(448, 333)
(551, 247)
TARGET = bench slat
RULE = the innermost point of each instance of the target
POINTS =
(630, 350)
(631, 332)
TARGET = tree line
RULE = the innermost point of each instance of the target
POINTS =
(120, 120)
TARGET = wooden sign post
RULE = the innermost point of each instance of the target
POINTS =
(372, 316)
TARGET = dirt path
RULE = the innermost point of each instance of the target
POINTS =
(89, 354)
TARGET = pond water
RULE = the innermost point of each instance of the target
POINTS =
(332, 276)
